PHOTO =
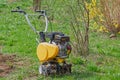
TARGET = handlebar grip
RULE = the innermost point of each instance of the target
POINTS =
(41, 11)
(14, 11)
(20, 11)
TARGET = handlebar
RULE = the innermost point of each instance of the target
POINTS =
(42, 13)
(20, 11)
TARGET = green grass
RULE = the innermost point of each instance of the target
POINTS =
(16, 37)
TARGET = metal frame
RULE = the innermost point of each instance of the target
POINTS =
(42, 13)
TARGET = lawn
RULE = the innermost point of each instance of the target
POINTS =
(16, 38)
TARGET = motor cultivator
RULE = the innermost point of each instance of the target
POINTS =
(51, 54)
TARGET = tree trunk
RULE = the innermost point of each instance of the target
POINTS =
(36, 4)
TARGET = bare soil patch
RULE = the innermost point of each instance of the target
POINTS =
(6, 64)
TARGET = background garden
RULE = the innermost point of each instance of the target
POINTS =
(94, 29)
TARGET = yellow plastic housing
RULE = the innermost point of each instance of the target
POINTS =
(46, 51)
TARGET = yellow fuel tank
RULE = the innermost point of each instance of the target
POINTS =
(47, 51)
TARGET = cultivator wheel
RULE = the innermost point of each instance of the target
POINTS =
(66, 68)
(54, 68)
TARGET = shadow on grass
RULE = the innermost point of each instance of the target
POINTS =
(74, 75)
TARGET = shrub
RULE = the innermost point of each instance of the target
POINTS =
(111, 15)
(106, 14)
